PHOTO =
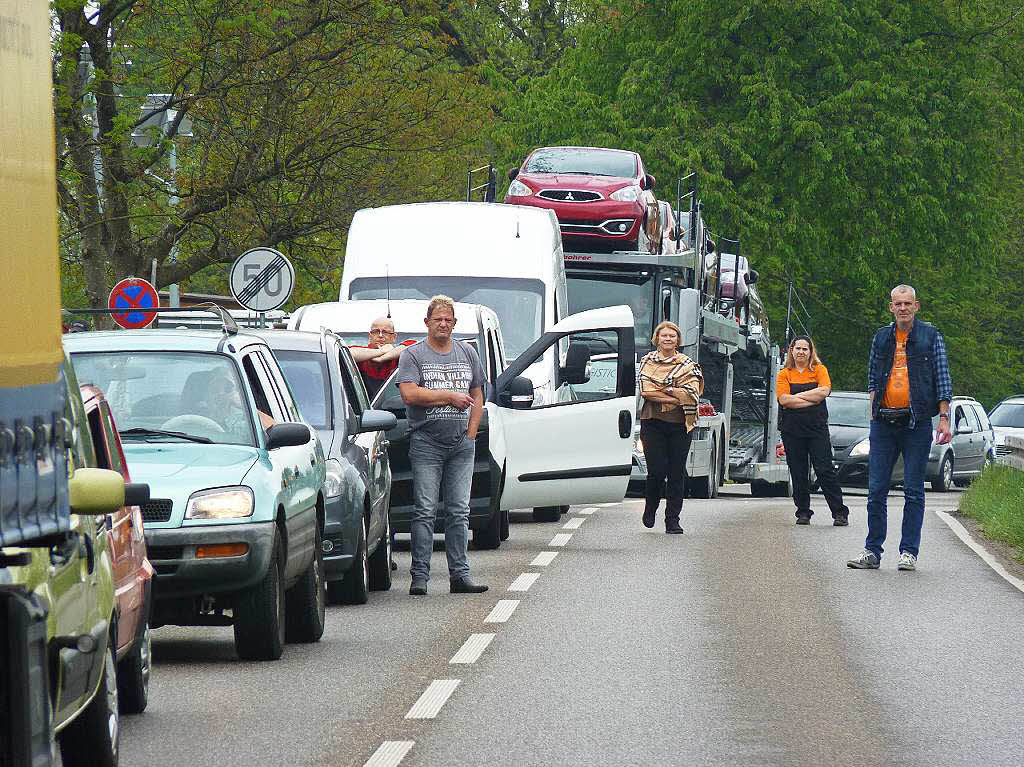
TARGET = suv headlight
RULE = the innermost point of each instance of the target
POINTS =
(861, 449)
(220, 503)
(626, 194)
(332, 482)
(519, 189)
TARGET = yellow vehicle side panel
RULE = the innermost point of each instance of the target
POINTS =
(29, 269)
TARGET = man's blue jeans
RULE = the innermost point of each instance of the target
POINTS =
(435, 467)
(887, 442)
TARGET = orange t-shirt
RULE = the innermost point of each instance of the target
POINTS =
(789, 376)
(897, 389)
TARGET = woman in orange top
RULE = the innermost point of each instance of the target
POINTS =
(802, 387)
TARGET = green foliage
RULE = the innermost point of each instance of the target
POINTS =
(850, 145)
(996, 501)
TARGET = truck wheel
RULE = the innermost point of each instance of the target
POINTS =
(380, 562)
(944, 478)
(259, 614)
(133, 675)
(93, 739)
(354, 589)
(707, 487)
(546, 513)
(305, 605)
(489, 537)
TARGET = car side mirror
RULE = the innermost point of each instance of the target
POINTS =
(750, 277)
(377, 420)
(136, 493)
(649, 181)
(518, 395)
(512, 173)
(95, 492)
(576, 359)
(287, 435)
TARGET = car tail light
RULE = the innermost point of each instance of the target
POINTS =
(706, 410)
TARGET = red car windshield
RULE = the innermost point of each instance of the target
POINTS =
(586, 162)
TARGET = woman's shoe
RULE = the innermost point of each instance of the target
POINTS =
(648, 517)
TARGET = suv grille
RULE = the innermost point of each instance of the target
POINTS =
(157, 510)
(1003, 450)
(569, 195)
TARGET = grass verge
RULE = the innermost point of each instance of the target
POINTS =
(996, 501)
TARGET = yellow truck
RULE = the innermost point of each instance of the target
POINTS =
(57, 682)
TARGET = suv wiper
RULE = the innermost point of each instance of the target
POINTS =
(140, 432)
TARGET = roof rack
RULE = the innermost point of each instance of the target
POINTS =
(228, 324)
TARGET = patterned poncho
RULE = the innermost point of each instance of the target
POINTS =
(679, 372)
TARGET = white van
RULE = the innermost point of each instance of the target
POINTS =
(505, 257)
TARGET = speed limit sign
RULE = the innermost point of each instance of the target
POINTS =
(262, 279)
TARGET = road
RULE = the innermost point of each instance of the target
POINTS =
(745, 642)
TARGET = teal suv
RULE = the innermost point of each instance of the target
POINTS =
(236, 511)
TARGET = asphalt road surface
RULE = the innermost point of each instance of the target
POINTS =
(746, 641)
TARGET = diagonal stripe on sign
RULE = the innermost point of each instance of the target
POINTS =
(260, 280)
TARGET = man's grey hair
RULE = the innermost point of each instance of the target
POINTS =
(438, 301)
(903, 289)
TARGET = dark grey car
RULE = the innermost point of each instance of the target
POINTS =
(331, 396)
(849, 423)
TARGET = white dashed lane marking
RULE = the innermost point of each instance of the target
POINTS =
(544, 559)
(435, 696)
(473, 648)
(574, 523)
(502, 611)
(587, 511)
(390, 753)
(560, 540)
(523, 582)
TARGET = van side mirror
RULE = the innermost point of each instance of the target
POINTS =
(750, 277)
(136, 493)
(287, 435)
(512, 173)
(94, 492)
(576, 359)
(518, 395)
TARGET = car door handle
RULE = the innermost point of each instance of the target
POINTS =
(312, 460)
(625, 424)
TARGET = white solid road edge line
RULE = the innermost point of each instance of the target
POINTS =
(560, 540)
(524, 581)
(390, 753)
(472, 649)
(544, 559)
(961, 532)
(435, 696)
(574, 523)
(502, 611)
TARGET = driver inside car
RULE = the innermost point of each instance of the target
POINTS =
(222, 403)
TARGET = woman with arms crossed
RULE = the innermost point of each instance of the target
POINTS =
(802, 387)
(670, 384)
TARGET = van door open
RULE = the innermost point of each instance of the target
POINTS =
(578, 448)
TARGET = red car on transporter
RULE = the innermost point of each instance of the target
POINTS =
(603, 198)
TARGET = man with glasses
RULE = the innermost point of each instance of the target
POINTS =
(379, 358)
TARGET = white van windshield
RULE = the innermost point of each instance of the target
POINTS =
(519, 303)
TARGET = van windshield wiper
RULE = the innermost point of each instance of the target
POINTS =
(140, 432)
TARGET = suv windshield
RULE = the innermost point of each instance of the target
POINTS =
(306, 374)
(588, 162)
(1008, 414)
(594, 290)
(155, 394)
(848, 411)
(519, 303)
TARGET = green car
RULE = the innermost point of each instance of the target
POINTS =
(236, 514)
(67, 579)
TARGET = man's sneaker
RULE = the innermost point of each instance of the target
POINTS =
(907, 561)
(803, 519)
(465, 586)
(868, 560)
(418, 588)
(841, 520)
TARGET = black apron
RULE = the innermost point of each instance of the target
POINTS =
(805, 421)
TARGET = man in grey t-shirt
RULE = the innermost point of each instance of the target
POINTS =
(441, 382)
